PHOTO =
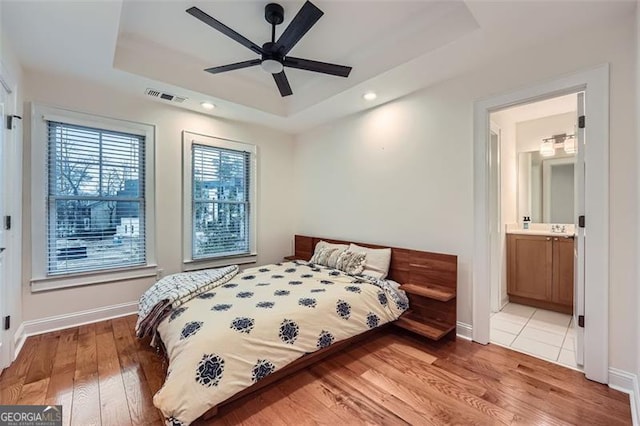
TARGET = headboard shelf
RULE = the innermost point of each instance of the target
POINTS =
(431, 291)
(430, 280)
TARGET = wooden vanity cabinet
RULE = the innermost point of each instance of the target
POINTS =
(540, 271)
(563, 261)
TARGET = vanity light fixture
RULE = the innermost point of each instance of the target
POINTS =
(570, 145)
(207, 105)
(369, 96)
(547, 149)
(562, 141)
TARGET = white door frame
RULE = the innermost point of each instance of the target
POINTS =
(5, 347)
(595, 82)
(495, 222)
(12, 291)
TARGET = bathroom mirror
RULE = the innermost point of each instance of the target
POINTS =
(546, 187)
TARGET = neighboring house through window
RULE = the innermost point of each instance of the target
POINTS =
(219, 208)
(97, 215)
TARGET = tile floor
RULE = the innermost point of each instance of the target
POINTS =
(538, 332)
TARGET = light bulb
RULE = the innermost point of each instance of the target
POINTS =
(369, 96)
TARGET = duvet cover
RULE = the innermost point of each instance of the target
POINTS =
(235, 334)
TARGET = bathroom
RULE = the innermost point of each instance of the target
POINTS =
(535, 184)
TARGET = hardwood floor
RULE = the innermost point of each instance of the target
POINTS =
(102, 374)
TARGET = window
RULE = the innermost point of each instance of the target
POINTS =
(219, 210)
(95, 205)
(92, 199)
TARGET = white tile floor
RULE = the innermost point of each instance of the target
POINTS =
(537, 332)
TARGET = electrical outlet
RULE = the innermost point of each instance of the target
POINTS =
(159, 274)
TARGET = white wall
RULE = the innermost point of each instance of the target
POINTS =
(531, 132)
(13, 256)
(402, 174)
(275, 158)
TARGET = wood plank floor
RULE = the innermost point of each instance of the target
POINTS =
(102, 374)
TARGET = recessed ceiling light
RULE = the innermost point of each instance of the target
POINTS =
(369, 96)
(207, 105)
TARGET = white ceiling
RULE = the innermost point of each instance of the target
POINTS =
(372, 37)
(396, 47)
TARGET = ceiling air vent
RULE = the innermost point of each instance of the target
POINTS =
(166, 96)
(152, 92)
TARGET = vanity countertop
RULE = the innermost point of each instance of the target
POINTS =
(541, 229)
(540, 232)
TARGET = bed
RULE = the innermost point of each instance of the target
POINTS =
(248, 330)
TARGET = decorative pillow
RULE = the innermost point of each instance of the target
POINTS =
(321, 256)
(333, 258)
(351, 262)
(378, 261)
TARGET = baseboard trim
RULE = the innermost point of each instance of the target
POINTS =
(464, 330)
(18, 340)
(60, 322)
(628, 383)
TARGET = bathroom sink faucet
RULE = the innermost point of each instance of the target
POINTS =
(558, 228)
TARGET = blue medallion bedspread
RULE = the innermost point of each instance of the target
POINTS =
(235, 334)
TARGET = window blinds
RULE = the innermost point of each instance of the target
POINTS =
(220, 201)
(95, 199)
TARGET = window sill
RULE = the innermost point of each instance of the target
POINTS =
(194, 265)
(91, 278)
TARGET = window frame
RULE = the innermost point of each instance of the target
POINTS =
(189, 263)
(40, 278)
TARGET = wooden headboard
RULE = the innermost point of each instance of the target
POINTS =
(430, 280)
(407, 266)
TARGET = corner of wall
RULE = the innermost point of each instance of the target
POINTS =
(626, 382)
(637, 77)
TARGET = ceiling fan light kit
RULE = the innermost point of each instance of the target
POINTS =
(273, 54)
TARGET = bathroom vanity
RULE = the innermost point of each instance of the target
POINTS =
(540, 268)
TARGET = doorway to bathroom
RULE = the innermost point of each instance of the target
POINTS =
(534, 181)
(590, 262)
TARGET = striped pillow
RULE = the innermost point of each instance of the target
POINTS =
(321, 256)
(351, 262)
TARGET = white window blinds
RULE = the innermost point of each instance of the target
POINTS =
(95, 200)
(220, 197)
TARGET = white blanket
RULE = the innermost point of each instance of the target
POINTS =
(173, 290)
(237, 333)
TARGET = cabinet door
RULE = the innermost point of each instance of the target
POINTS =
(529, 266)
(563, 270)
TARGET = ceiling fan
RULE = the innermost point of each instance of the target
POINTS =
(273, 54)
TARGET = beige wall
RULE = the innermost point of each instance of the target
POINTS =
(275, 157)
(638, 179)
(402, 173)
(529, 135)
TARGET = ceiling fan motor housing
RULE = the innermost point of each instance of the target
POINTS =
(271, 58)
(274, 13)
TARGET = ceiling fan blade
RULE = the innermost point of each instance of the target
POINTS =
(307, 16)
(283, 84)
(214, 23)
(236, 66)
(323, 67)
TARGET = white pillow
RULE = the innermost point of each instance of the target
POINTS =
(377, 263)
(333, 258)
